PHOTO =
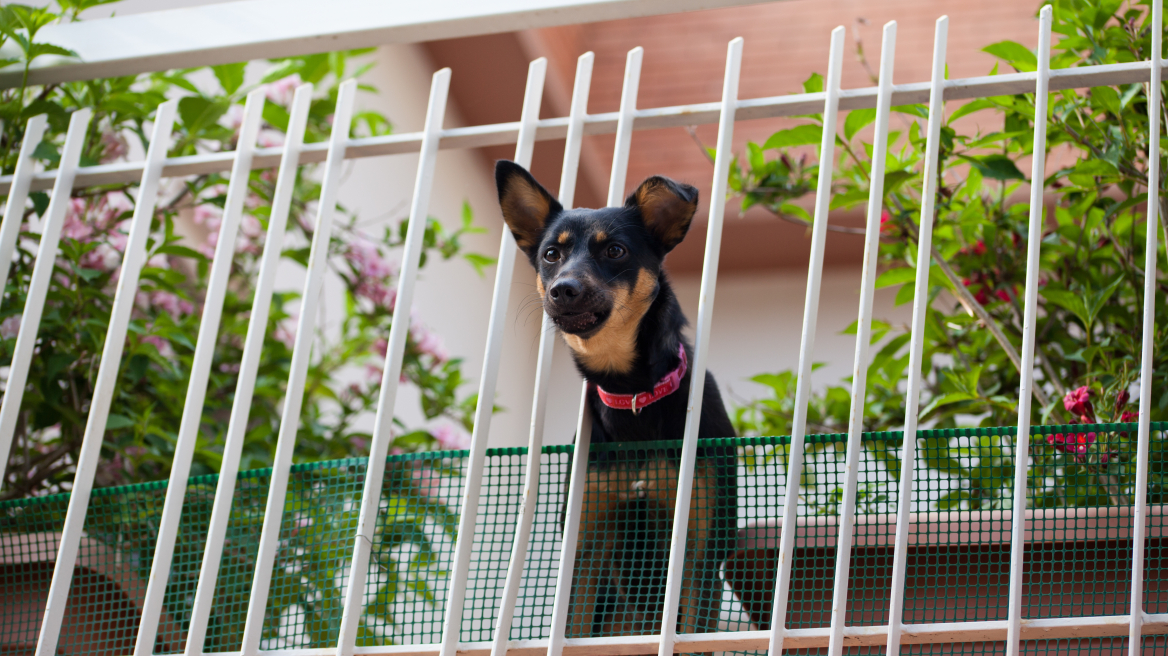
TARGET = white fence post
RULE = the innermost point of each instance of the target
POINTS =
(1025, 395)
(42, 273)
(111, 356)
(472, 486)
(547, 343)
(9, 234)
(561, 607)
(908, 459)
(354, 606)
(846, 520)
(1148, 349)
(697, 387)
(807, 344)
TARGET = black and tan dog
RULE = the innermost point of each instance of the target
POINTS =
(601, 280)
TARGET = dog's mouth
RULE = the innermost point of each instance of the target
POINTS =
(578, 323)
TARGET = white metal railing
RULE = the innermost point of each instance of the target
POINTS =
(525, 133)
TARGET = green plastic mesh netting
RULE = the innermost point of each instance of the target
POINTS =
(1078, 553)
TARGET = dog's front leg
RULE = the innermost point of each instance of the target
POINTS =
(594, 549)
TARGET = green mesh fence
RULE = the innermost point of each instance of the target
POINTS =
(1077, 558)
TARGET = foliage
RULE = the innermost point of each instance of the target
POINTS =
(1090, 278)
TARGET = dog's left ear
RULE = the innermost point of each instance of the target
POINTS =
(526, 205)
(667, 208)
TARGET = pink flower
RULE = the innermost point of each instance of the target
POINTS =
(428, 343)
(234, 117)
(1129, 417)
(377, 292)
(229, 367)
(979, 248)
(270, 139)
(450, 436)
(282, 91)
(171, 303)
(10, 327)
(160, 344)
(426, 481)
(103, 258)
(381, 346)
(208, 215)
(1078, 403)
(113, 146)
(366, 260)
(359, 443)
(885, 217)
(286, 333)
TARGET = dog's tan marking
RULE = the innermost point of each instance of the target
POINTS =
(564, 236)
(601, 535)
(601, 235)
(539, 285)
(665, 213)
(524, 209)
(614, 347)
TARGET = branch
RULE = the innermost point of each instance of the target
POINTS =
(974, 308)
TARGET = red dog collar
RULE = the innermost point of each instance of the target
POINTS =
(635, 402)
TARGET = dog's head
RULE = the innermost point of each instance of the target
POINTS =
(598, 270)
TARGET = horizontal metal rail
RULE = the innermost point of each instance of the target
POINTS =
(223, 33)
(1108, 626)
(606, 123)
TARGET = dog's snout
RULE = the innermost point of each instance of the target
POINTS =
(566, 291)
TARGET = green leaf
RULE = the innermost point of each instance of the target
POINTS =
(857, 119)
(230, 76)
(276, 116)
(116, 421)
(996, 167)
(897, 276)
(479, 262)
(198, 112)
(813, 84)
(1014, 53)
(800, 135)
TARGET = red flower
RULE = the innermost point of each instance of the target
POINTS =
(1004, 295)
(1078, 403)
(1128, 417)
(885, 217)
(1073, 443)
(1121, 399)
(979, 248)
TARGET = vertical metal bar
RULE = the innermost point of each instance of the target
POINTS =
(807, 344)
(180, 468)
(916, 348)
(689, 449)
(1148, 350)
(213, 304)
(38, 286)
(111, 355)
(846, 519)
(34, 131)
(254, 344)
(624, 127)
(472, 486)
(9, 233)
(547, 342)
(616, 187)
(1033, 249)
(306, 324)
(390, 377)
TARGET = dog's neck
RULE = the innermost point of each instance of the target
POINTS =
(654, 349)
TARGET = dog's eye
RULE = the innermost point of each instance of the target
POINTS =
(552, 255)
(616, 251)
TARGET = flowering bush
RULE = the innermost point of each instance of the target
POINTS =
(1090, 282)
(343, 379)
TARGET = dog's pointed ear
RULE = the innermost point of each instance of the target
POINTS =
(526, 205)
(667, 208)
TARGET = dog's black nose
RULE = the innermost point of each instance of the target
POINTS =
(565, 291)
